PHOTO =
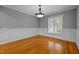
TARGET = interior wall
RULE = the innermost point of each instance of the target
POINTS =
(69, 26)
(16, 25)
(77, 39)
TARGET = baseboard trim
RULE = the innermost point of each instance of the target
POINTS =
(57, 38)
(8, 41)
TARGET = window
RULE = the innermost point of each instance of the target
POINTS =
(55, 24)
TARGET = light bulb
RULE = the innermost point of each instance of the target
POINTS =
(40, 16)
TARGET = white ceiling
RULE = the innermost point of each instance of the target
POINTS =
(46, 9)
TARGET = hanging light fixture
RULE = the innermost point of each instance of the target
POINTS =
(40, 14)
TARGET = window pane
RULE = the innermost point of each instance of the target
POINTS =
(55, 24)
(51, 30)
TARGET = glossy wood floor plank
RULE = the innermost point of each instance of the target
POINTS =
(39, 45)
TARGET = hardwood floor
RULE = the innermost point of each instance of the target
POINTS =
(39, 45)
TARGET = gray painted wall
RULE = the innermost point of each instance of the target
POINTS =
(77, 39)
(69, 26)
(18, 25)
(69, 20)
(13, 19)
(78, 18)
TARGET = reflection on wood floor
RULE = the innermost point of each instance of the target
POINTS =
(39, 45)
